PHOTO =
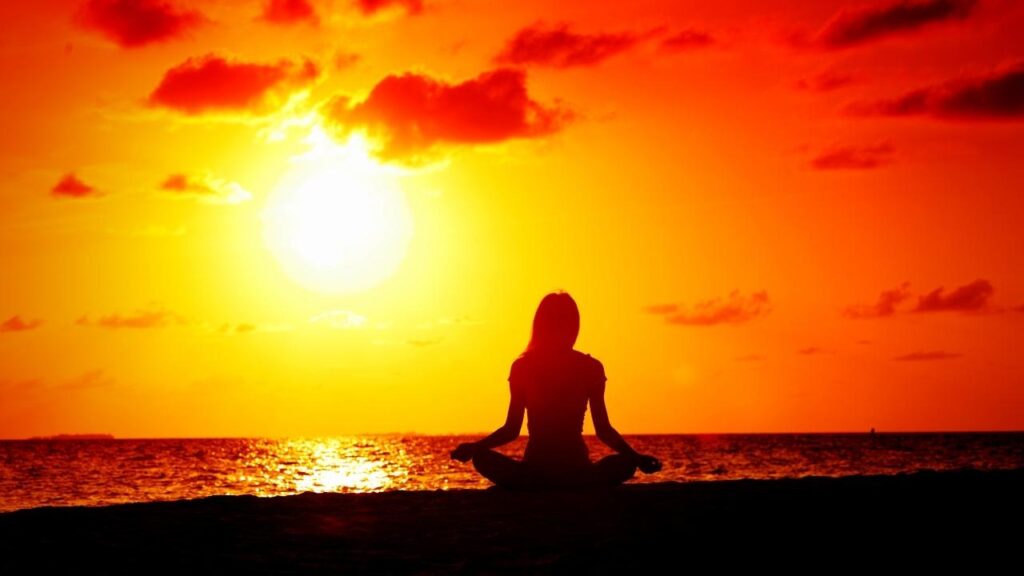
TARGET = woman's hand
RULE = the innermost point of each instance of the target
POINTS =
(464, 452)
(647, 464)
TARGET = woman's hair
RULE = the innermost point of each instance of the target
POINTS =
(556, 323)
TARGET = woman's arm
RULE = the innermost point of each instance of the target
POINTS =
(610, 436)
(508, 432)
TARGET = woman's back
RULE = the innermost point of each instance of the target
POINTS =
(556, 385)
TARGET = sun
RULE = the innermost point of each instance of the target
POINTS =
(337, 221)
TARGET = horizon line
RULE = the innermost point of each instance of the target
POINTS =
(463, 434)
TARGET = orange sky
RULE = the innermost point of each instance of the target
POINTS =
(775, 216)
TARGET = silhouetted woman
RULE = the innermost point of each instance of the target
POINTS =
(553, 383)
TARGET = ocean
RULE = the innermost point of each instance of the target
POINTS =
(36, 473)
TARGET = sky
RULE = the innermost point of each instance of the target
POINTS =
(321, 217)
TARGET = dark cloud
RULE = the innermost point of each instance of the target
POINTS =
(854, 26)
(558, 46)
(70, 186)
(135, 23)
(853, 157)
(205, 189)
(997, 96)
(18, 324)
(886, 304)
(374, 6)
(288, 12)
(212, 83)
(408, 114)
(971, 297)
(152, 317)
(734, 309)
(686, 40)
(925, 356)
(825, 82)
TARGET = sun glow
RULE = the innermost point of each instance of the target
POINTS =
(337, 221)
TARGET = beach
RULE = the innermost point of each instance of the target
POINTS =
(911, 519)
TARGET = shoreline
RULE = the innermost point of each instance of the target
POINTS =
(908, 517)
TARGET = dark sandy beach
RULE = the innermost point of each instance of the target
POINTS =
(910, 520)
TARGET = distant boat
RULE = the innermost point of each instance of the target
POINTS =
(75, 437)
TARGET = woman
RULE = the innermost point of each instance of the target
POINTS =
(553, 383)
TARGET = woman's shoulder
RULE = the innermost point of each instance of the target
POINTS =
(592, 365)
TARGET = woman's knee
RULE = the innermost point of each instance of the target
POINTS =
(616, 469)
(497, 467)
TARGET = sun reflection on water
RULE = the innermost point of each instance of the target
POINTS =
(321, 465)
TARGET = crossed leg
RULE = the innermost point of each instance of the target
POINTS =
(511, 473)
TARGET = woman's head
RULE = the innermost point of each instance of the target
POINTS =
(556, 323)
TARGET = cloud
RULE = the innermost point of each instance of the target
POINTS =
(92, 379)
(343, 60)
(340, 319)
(853, 157)
(18, 324)
(686, 40)
(70, 186)
(559, 47)
(971, 297)
(886, 304)
(409, 114)
(925, 356)
(825, 82)
(662, 308)
(855, 26)
(136, 23)
(369, 7)
(240, 328)
(734, 309)
(750, 358)
(205, 189)
(996, 96)
(212, 83)
(152, 317)
(288, 12)
(811, 351)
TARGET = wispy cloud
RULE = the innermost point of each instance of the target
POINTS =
(992, 97)
(206, 189)
(558, 46)
(853, 157)
(926, 356)
(974, 297)
(733, 309)
(340, 320)
(860, 25)
(153, 316)
(18, 324)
